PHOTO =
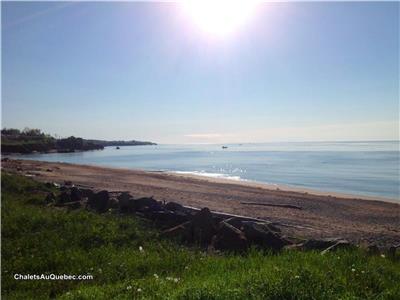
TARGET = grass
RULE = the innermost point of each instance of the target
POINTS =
(38, 239)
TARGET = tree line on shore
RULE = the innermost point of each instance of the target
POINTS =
(34, 140)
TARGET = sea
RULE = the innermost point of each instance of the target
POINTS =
(357, 168)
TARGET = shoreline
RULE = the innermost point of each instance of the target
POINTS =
(241, 181)
(280, 187)
(303, 214)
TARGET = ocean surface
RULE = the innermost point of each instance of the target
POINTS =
(359, 168)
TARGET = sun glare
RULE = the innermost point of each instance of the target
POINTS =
(219, 17)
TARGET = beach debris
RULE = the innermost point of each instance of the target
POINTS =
(322, 244)
(339, 245)
(273, 205)
(182, 231)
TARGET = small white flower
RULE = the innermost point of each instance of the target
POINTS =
(129, 287)
(156, 276)
(139, 290)
(140, 248)
(383, 255)
(353, 270)
(186, 268)
(168, 278)
(363, 272)
(297, 276)
(176, 279)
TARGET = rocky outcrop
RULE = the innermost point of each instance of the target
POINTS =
(215, 231)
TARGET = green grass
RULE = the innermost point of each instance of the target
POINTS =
(37, 239)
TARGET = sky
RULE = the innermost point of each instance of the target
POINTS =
(148, 71)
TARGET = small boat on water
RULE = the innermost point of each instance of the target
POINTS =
(117, 148)
(224, 147)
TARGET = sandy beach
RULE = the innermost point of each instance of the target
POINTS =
(301, 213)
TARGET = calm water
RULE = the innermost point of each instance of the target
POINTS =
(363, 168)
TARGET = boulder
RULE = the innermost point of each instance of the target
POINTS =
(76, 194)
(113, 203)
(229, 237)
(64, 197)
(173, 206)
(261, 234)
(146, 204)
(203, 226)
(85, 192)
(99, 201)
(167, 218)
(373, 250)
(50, 198)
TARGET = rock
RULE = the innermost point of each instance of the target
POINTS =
(393, 250)
(203, 226)
(167, 218)
(321, 244)
(113, 203)
(182, 231)
(76, 194)
(99, 201)
(373, 250)
(127, 205)
(261, 234)
(49, 170)
(50, 198)
(72, 205)
(85, 192)
(64, 197)
(173, 206)
(143, 204)
(229, 238)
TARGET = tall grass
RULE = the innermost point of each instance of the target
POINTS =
(129, 260)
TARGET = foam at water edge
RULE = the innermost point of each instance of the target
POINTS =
(212, 175)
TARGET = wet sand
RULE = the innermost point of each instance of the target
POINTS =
(301, 213)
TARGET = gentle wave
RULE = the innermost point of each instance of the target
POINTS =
(212, 175)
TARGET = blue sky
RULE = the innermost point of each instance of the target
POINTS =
(292, 72)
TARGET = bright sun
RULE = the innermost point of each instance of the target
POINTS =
(219, 17)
